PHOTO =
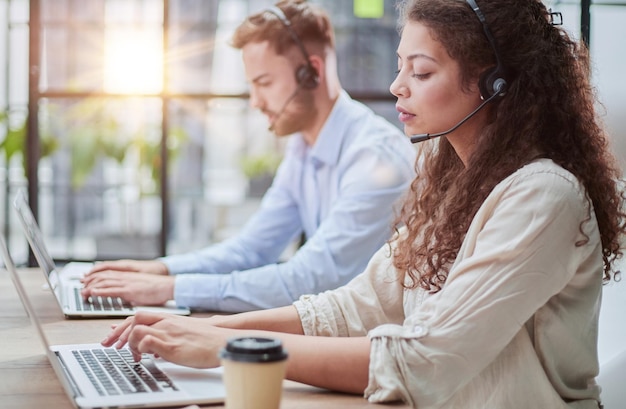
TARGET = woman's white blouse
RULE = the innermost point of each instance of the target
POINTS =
(515, 325)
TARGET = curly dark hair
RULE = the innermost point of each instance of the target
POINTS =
(548, 111)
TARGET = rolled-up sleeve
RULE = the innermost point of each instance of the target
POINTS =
(369, 300)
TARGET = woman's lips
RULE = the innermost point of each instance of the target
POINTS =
(403, 115)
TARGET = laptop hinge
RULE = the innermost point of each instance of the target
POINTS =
(69, 377)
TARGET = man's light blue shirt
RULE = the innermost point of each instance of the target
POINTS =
(340, 192)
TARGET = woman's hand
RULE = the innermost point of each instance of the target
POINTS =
(336, 363)
(186, 341)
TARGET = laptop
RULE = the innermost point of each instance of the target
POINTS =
(97, 377)
(65, 282)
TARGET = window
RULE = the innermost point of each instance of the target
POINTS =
(143, 120)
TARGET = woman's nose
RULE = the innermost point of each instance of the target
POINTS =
(397, 88)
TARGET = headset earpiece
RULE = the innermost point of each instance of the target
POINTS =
(491, 82)
(306, 75)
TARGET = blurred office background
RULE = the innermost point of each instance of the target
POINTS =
(140, 141)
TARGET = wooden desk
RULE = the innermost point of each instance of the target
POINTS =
(28, 381)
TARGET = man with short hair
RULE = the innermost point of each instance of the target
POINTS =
(343, 170)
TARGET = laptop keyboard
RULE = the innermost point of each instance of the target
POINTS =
(99, 303)
(114, 372)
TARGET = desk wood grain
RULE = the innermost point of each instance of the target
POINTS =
(28, 381)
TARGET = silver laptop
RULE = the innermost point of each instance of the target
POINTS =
(65, 282)
(96, 377)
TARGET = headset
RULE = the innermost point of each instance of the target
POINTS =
(491, 82)
(306, 75)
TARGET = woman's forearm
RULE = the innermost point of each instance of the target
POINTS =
(336, 363)
(340, 364)
(284, 319)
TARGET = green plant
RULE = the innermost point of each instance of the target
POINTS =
(15, 139)
(94, 133)
(259, 165)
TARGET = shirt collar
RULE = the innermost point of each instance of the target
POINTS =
(327, 147)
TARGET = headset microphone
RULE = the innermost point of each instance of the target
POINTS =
(284, 107)
(426, 136)
(306, 75)
(492, 83)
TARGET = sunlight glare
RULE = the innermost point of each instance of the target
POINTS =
(133, 62)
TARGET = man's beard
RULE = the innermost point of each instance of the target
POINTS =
(301, 113)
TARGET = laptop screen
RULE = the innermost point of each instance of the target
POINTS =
(10, 267)
(33, 233)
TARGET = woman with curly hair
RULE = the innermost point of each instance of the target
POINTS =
(489, 294)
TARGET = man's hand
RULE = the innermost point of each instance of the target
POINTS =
(186, 341)
(131, 266)
(137, 289)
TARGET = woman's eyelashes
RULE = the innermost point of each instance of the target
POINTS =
(418, 75)
(421, 76)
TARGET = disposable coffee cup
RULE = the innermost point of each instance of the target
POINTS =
(254, 369)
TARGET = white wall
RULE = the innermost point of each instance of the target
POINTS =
(612, 335)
